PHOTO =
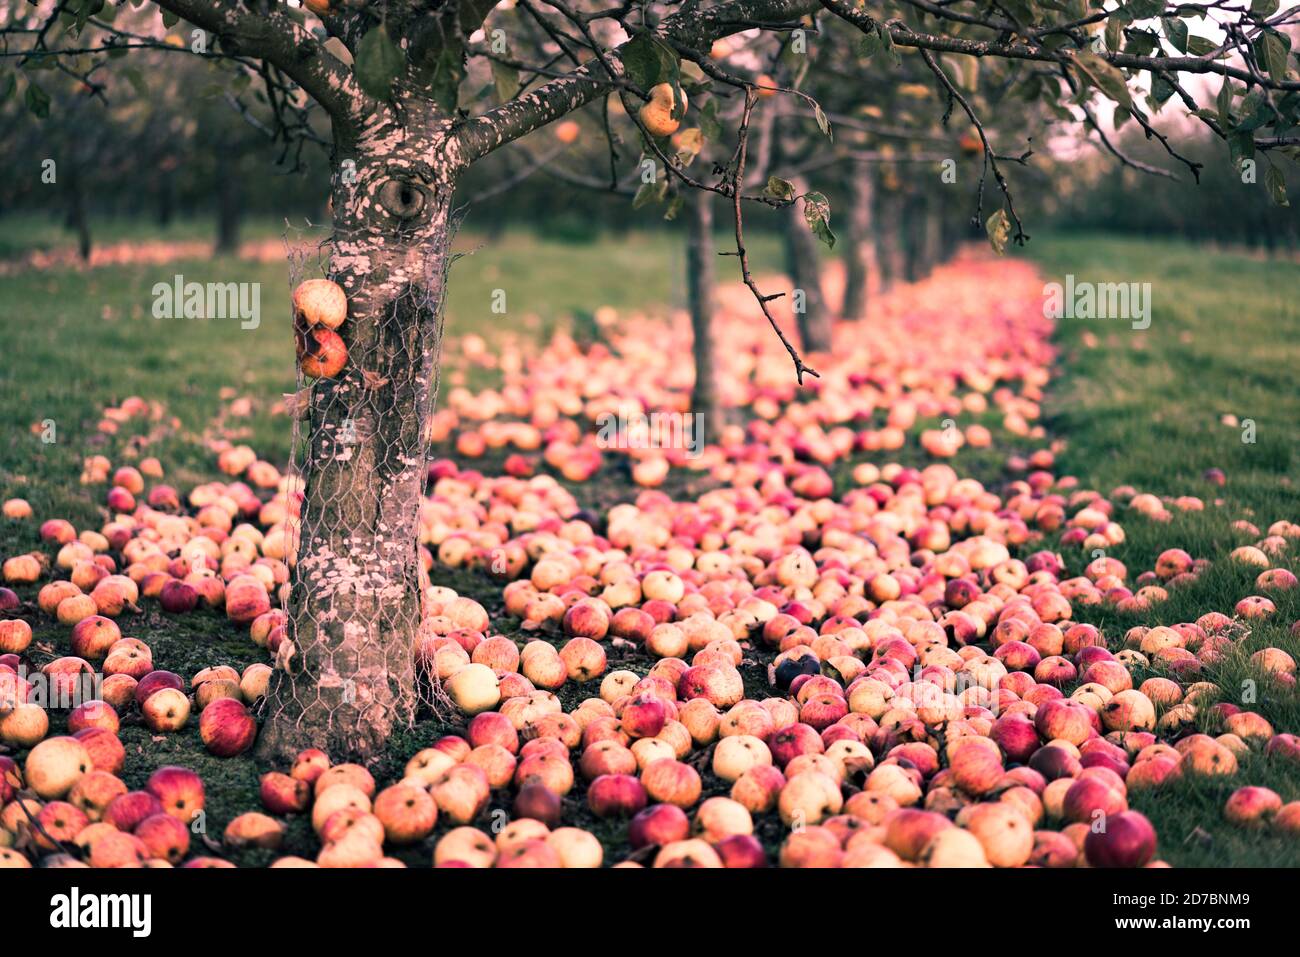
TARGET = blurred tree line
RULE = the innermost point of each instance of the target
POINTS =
(166, 140)
(1229, 205)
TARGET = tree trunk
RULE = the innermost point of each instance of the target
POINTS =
(932, 235)
(889, 239)
(860, 249)
(913, 245)
(356, 602)
(699, 283)
(228, 209)
(78, 220)
(166, 201)
(802, 264)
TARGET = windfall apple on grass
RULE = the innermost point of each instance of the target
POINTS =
(898, 672)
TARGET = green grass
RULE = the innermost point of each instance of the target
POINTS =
(89, 338)
(22, 233)
(1144, 408)
(1141, 409)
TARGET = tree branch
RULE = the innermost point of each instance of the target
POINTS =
(282, 41)
(693, 28)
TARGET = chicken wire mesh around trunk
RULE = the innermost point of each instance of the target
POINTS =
(345, 671)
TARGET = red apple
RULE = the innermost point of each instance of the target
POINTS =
(128, 810)
(165, 710)
(538, 802)
(741, 850)
(658, 824)
(284, 794)
(1016, 735)
(179, 790)
(105, 748)
(93, 636)
(226, 727)
(793, 740)
(616, 795)
(166, 837)
(1092, 798)
(1065, 720)
(643, 717)
(1128, 840)
(155, 681)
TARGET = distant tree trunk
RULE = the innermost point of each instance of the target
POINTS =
(932, 233)
(229, 209)
(802, 264)
(860, 248)
(699, 283)
(889, 238)
(913, 238)
(78, 220)
(165, 211)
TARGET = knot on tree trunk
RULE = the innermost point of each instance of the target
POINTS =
(402, 199)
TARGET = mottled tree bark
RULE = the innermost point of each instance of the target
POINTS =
(700, 255)
(802, 263)
(860, 246)
(356, 597)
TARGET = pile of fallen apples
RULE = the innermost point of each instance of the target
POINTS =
(772, 671)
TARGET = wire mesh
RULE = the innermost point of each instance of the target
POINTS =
(358, 600)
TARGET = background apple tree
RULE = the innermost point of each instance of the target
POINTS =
(408, 95)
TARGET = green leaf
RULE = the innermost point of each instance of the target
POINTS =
(879, 40)
(650, 192)
(1274, 46)
(38, 101)
(1223, 102)
(1144, 9)
(649, 62)
(1142, 43)
(444, 80)
(1241, 146)
(136, 79)
(1161, 88)
(673, 208)
(170, 19)
(1264, 8)
(1115, 31)
(1022, 11)
(817, 214)
(1199, 46)
(710, 127)
(779, 188)
(506, 81)
(1275, 183)
(998, 228)
(1106, 78)
(1175, 33)
(379, 63)
(1254, 110)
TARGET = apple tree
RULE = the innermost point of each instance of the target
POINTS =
(415, 92)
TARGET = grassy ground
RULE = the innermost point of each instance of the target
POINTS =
(1145, 408)
(1136, 408)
